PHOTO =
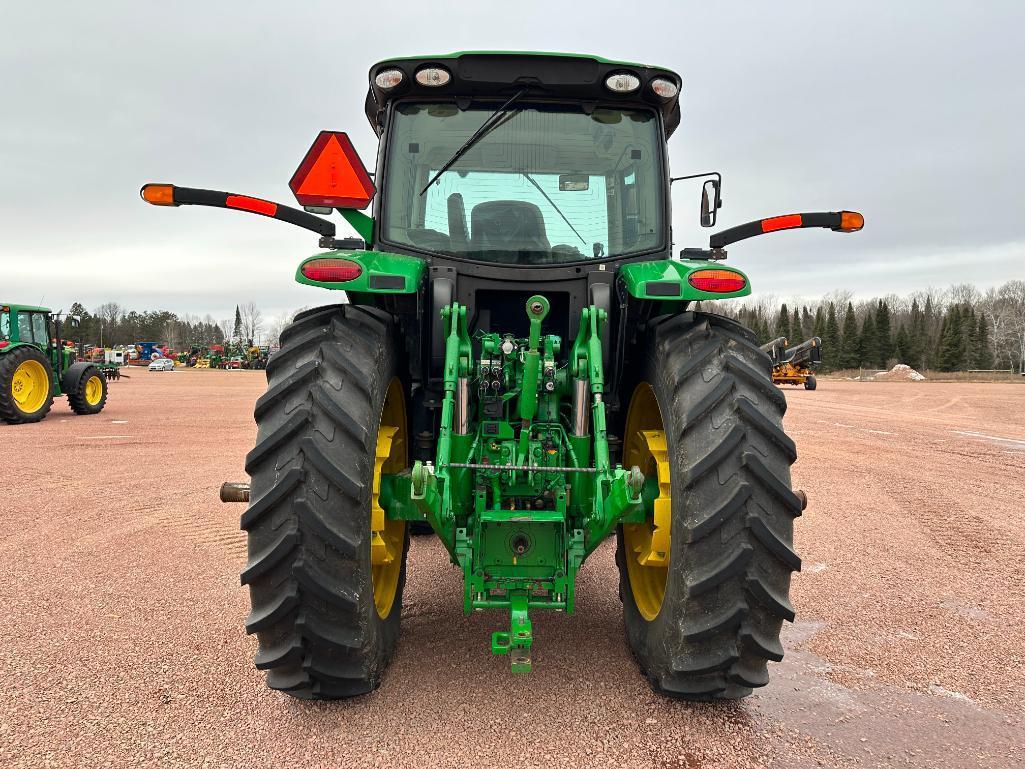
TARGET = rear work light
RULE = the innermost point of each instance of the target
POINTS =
(331, 270)
(717, 281)
(623, 82)
(664, 87)
(433, 76)
(388, 78)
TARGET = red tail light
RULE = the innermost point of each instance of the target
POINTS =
(331, 270)
(717, 281)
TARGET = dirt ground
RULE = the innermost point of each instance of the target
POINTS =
(123, 640)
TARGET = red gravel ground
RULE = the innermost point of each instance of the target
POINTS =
(122, 640)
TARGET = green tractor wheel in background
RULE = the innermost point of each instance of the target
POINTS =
(26, 385)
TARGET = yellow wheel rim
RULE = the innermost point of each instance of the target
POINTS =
(30, 386)
(387, 538)
(93, 390)
(647, 544)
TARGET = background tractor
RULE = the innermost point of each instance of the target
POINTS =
(794, 365)
(515, 362)
(36, 365)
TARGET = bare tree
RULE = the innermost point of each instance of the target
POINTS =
(252, 321)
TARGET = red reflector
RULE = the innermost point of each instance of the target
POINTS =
(255, 205)
(331, 270)
(787, 222)
(332, 175)
(717, 281)
(3, 344)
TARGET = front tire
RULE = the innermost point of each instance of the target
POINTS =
(705, 626)
(26, 385)
(327, 617)
(90, 392)
(810, 383)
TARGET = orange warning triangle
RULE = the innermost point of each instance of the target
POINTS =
(332, 175)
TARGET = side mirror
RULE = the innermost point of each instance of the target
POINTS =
(74, 321)
(711, 202)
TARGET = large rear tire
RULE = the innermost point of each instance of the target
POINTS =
(327, 617)
(26, 385)
(704, 626)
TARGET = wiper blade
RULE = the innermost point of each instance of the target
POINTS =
(486, 127)
(557, 209)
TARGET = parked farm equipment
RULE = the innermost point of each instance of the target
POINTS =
(794, 365)
(37, 365)
(519, 366)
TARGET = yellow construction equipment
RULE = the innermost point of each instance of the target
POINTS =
(793, 365)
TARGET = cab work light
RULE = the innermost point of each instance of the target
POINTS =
(850, 221)
(388, 78)
(331, 270)
(623, 82)
(717, 281)
(433, 76)
(664, 87)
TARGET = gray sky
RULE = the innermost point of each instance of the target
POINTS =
(913, 113)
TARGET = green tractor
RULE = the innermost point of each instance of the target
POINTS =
(36, 365)
(516, 362)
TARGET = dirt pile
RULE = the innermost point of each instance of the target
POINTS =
(900, 371)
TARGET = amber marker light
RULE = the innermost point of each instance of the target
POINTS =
(850, 221)
(158, 194)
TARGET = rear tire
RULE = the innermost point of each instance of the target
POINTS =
(731, 540)
(310, 570)
(26, 385)
(90, 393)
(810, 383)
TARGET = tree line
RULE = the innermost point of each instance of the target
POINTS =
(959, 329)
(110, 325)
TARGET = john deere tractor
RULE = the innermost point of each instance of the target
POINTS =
(516, 362)
(36, 365)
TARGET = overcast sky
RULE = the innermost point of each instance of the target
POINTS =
(913, 113)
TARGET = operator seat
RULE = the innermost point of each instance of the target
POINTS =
(511, 226)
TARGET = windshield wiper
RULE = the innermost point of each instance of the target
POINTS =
(486, 127)
(557, 209)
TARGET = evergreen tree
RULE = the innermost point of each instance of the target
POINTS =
(848, 357)
(807, 323)
(949, 354)
(783, 325)
(764, 334)
(929, 340)
(917, 338)
(984, 360)
(884, 333)
(795, 328)
(901, 347)
(830, 340)
(969, 338)
(868, 343)
(818, 327)
(237, 333)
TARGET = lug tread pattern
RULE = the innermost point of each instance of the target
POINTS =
(733, 513)
(309, 570)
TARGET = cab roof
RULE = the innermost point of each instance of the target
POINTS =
(566, 76)
(9, 306)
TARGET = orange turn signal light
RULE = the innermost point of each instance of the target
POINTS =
(158, 194)
(850, 221)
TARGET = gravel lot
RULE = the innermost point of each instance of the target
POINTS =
(123, 641)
